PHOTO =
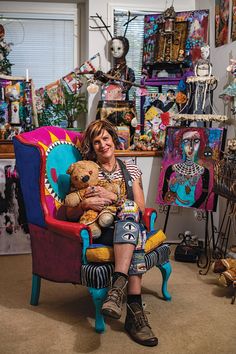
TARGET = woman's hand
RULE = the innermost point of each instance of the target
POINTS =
(101, 192)
(95, 203)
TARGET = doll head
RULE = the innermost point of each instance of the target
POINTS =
(119, 47)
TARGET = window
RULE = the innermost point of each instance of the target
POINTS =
(42, 43)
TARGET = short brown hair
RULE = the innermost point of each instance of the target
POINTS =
(94, 129)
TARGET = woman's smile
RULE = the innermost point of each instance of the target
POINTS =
(104, 146)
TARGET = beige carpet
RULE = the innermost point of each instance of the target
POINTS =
(199, 320)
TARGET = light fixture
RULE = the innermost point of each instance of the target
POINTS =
(169, 17)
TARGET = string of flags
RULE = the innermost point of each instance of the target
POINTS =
(72, 82)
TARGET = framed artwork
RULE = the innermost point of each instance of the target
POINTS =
(14, 236)
(221, 22)
(156, 111)
(186, 46)
(123, 132)
(187, 172)
(233, 24)
(172, 50)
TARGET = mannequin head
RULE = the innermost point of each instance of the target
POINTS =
(119, 47)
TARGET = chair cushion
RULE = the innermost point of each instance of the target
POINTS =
(96, 275)
(100, 254)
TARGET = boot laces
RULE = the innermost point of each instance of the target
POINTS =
(140, 318)
(115, 295)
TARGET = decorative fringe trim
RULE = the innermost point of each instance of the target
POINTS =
(200, 117)
(204, 79)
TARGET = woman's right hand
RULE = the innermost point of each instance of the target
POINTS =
(95, 203)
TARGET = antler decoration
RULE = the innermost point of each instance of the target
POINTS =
(127, 23)
(100, 27)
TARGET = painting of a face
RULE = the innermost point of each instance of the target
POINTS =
(187, 169)
(117, 48)
(191, 144)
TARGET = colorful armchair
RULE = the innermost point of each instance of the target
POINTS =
(62, 251)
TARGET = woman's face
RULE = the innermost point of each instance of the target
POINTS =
(104, 146)
(191, 144)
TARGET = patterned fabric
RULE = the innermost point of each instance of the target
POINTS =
(157, 257)
(58, 150)
(133, 170)
(96, 276)
(99, 276)
(98, 253)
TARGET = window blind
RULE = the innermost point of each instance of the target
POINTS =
(43, 46)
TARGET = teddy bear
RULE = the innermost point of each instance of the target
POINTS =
(84, 174)
(227, 269)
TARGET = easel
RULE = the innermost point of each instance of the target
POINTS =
(209, 240)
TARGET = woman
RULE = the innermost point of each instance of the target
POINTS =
(99, 144)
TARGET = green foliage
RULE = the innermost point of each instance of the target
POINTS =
(68, 110)
(5, 65)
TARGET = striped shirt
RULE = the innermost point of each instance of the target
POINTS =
(118, 178)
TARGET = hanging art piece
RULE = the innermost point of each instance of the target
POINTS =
(16, 106)
(181, 44)
(187, 172)
(221, 22)
(233, 24)
(61, 102)
(201, 85)
(14, 233)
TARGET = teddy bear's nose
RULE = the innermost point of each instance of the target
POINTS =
(85, 178)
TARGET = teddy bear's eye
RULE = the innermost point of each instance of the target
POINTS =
(90, 172)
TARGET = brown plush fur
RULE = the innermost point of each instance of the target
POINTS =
(84, 174)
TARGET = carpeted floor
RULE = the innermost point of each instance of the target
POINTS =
(199, 320)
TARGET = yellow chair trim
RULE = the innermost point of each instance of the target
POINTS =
(154, 241)
(105, 254)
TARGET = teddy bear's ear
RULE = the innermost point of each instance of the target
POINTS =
(70, 169)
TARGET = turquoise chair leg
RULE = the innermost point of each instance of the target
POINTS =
(35, 291)
(99, 296)
(165, 271)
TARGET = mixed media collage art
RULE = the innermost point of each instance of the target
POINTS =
(187, 172)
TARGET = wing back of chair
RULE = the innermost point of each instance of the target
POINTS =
(42, 158)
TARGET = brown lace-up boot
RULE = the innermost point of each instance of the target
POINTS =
(136, 324)
(112, 306)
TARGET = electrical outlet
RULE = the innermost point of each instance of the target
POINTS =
(174, 209)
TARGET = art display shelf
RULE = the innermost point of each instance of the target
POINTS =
(7, 151)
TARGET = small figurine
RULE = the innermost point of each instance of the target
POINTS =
(203, 66)
(202, 84)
